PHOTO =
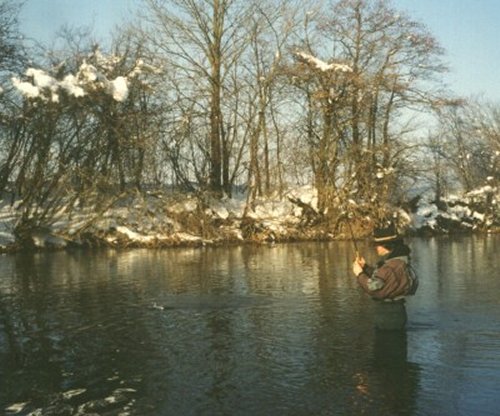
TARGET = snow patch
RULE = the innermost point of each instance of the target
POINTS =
(119, 89)
(323, 66)
(152, 219)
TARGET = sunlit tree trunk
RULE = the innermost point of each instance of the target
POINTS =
(215, 57)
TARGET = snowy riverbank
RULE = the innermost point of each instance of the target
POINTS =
(157, 219)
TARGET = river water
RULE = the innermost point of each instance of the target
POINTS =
(267, 330)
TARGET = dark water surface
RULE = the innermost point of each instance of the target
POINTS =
(275, 330)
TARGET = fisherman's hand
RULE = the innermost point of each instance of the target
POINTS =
(356, 268)
(361, 261)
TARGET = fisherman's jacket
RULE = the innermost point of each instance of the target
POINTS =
(392, 279)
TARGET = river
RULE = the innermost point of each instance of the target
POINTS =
(248, 330)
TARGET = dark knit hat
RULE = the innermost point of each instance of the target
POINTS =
(386, 234)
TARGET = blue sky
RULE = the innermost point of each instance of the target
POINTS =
(469, 30)
(40, 19)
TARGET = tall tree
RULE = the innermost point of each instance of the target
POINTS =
(12, 58)
(271, 29)
(393, 62)
(471, 142)
(201, 40)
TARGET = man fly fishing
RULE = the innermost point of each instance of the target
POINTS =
(390, 281)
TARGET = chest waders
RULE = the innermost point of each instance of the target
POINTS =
(390, 315)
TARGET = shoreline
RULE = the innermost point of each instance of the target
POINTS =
(162, 220)
(53, 243)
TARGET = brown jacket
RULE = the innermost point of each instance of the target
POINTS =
(390, 280)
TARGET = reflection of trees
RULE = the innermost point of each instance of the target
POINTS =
(65, 328)
(31, 333)
(222, 362)
(461, 257)
(295, 324)
(459, 287)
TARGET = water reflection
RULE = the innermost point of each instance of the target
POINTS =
(245, 331)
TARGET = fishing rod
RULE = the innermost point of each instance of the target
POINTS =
(352, 237)
(349, 226)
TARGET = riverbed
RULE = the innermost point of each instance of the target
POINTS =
(247, 330)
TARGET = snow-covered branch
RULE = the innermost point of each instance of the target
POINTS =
(40, 84)
(321, 65)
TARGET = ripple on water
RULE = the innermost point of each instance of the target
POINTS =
(242, 331)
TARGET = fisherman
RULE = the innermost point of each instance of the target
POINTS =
(390, 281)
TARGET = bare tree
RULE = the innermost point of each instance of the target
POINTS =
(378, 64)
(12, 58)
(82, 130)
(201, 40)
(471, 142)
(271, 29)
(12, 52)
